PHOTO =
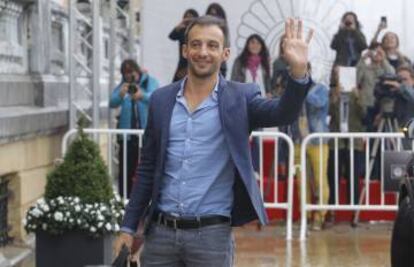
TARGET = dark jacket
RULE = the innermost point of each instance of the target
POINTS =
(340, 45)
(241, 110)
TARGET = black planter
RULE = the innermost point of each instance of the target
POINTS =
(72, 249)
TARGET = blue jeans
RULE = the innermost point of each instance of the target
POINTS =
(206, 246)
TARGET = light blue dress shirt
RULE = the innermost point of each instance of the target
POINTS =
(199, 172)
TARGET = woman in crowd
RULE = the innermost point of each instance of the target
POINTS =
(252, 65)
(177, 34)
(390, 42)
(349, 41)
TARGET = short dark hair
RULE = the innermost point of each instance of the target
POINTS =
(131, 64)
(406, 68)
(209, 21)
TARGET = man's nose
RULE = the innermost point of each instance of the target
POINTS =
(203, 50)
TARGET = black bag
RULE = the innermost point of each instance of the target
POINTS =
(122, 259)
(402, 242)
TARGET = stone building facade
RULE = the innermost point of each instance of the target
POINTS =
(34, 86)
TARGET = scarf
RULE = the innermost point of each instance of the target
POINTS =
(253, 63)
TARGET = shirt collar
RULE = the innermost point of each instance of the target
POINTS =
(213, 95)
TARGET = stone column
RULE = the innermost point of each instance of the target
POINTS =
(40, 24)
(12, 52)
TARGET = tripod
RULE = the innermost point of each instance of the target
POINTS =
(388, 124)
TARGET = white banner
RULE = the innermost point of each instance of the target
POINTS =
(266, 17)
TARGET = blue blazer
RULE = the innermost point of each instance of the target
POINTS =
(241, 110)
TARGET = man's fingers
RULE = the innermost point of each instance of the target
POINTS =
(287, 29)
(300, 28)
(310, 35)
(292, 28)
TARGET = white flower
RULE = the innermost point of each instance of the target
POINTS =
(67, 214)
(60, 200)
(100, 217)
(71, 220)
(76, 199)
(92, 229)
(103, 208)
(58, 216)
(78, 221)
(41, 201)
(37, 212)
(44, 207)
(100, 224)
(108, 226)
(44, 226)
(116, 227)
(77, 208)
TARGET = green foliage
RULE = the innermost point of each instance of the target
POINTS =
(82, 174)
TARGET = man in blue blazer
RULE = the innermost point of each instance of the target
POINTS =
(195, 178)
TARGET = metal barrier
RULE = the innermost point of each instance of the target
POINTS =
(369, 162)
(276, 136)
(288, 204)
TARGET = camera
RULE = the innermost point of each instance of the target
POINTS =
(383, 89)
(132, 88)
(399, 164)
(384, 93)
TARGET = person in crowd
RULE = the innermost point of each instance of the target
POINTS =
(216, 10)
(177, 34)
(370, 68)
(280, 71)
(195, 178)
(132, 96)
(349, 41)
(403, 93)
(390, 42)
(356, 115)
(252, 65)
(313, 119)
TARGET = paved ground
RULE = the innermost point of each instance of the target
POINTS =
(339, 246)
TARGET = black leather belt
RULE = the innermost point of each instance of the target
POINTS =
(188, 222)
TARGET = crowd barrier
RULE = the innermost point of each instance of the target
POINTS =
(275, 202)
(270, 180)
(370, 141)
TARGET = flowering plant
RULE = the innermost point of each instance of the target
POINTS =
(63, 214)
(78, 194)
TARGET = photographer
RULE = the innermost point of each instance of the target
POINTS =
(402, 89)
(132, 95)
(370, 68)
(349, 41)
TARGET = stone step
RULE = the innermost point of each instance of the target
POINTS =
(19, 121)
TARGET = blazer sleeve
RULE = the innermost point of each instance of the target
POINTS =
(265, 112)
(142, 189)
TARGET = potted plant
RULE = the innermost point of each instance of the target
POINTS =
(75, 221)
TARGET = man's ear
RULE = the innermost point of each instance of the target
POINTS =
(184, 49)
(226, 53)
